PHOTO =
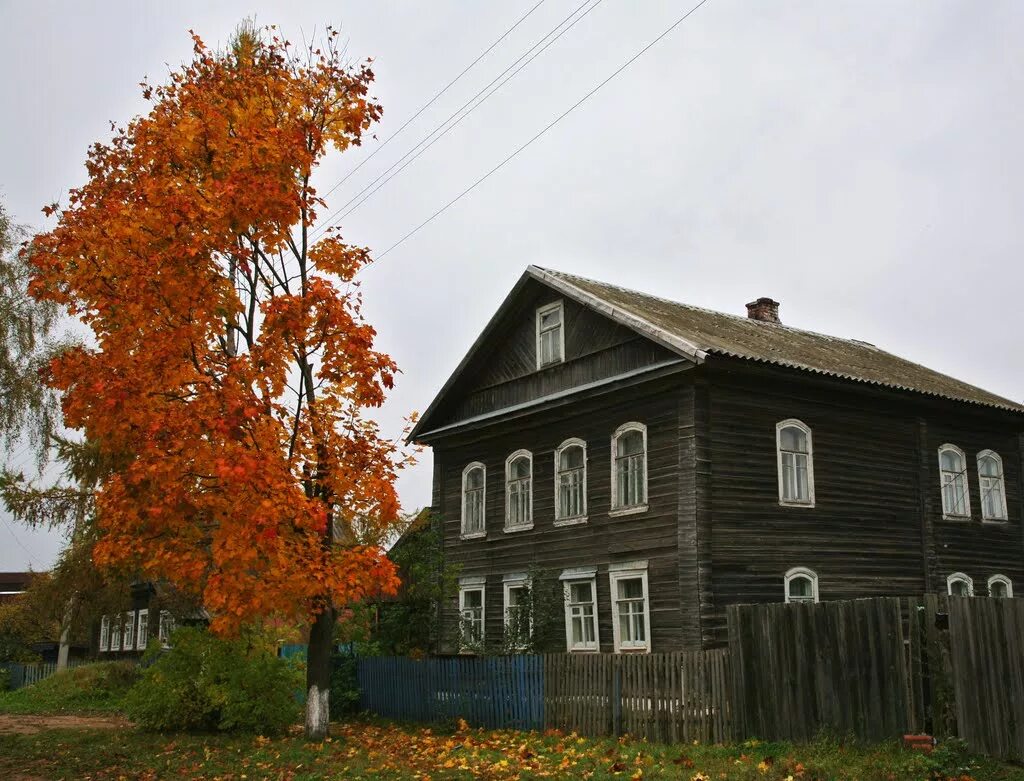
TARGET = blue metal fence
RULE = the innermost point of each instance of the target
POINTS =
(505, 692)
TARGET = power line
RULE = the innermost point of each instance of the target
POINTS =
(548, 127)
(443, 130)
(20, 544)
(430, 102)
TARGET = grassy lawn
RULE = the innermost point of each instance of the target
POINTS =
(91, 688)
(380, 750)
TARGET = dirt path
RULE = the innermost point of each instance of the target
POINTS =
(29, 724)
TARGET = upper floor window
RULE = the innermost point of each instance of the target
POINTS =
(990, 481)
(571, 481)
(474, 480)
(796, 463)
(801, 585)
(471, 613)
(630, 622)
(956, 503)
(550, 335)
(519, 490)
(960, 585)
(1000, 587)
(629, 467)
(580, 610)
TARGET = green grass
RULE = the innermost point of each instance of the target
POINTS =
(381, 750)
(90, 688)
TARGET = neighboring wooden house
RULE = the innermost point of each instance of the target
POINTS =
(14, 584)
(664, 461)
(125, 635)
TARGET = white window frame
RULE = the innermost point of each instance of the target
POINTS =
(104, 634)
(528, 524)
(795, 423)
(568, 578)
(1003, 514)
(569, 520)
(801, 572)
(479, 533)
(115, 632)
(515, 581)
(165, 628)
(631, 570)
(467, 584)
(1005, 581)
(128, 631)
(543, 310)
(142, 633)
(958, 577)
(946, 514)
(616, 509)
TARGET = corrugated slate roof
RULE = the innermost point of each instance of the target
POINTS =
(718, 333)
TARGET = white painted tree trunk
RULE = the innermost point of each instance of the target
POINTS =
(318, 713)
(65, 637)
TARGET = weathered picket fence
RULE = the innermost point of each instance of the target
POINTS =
(27, 674)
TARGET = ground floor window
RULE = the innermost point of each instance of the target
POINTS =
(471, 614)
(580, 589)
(115, 633)
(143, 635)
(518, 613)
(165, 628)
(1000, 587)
(105, 633)
(129, 630)
(801, 585)
(959, 585)
(630, 610)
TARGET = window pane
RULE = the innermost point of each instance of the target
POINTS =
(987, 467)
(951, 461)
(475, 478)
(571, 458)
(631, 589)
(472, 599)
(551, 318)
(793, 439)
(801, 588)
(629, 443)
(520, 467)
(581, 592)
(998, 589)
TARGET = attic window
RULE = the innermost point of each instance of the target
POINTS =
(550, 335)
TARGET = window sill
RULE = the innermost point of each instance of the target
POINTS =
(473, 536)
(784, 503)
(960, 518)
(621, 511)
(584, 651)
(995, 521)
(523, 527)
(644, 650)
(571, 521)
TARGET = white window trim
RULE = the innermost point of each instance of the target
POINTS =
(104, 634)
(947, 516)
(801, 572)
(959, 576)
(580, 575)
(809, 502)
(164, 629)
(543, 310)
(1005, 581)
(1004, 516)
(616, 511)
(519, 527)
(571, 520)
(509, 582)
(142, 641)
(466, 584)
(128, 637)
(629, 571)
(476, 535)
(115, 632)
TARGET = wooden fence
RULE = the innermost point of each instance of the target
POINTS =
(27, 674)
(872, 668)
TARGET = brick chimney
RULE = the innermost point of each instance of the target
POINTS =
(764, 309)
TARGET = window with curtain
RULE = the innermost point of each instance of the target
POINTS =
(519, 490)
(471, 610)
(956, 502)
(991, 485)
(795, 462)
(630, 610)
(474, 479)
(629, 467)
(571, 480)
(550, 335)
(801, 585)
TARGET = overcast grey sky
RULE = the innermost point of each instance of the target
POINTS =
(861, 162)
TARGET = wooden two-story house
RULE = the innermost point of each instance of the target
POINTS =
(665, 461)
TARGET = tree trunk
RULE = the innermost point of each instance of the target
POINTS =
(65, 636)
(318, 675)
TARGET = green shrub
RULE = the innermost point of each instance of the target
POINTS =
(208, 683)
(344, 686)
(89, 687)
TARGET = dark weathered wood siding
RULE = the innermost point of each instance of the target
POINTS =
(547, 549)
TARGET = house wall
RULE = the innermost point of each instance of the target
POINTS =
(662, 406)
(876, 527)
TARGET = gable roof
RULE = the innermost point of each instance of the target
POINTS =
(718, 333)
(697, 333)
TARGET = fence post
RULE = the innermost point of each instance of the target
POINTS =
(616, 697)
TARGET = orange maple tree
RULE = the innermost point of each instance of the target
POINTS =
(231, 369)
